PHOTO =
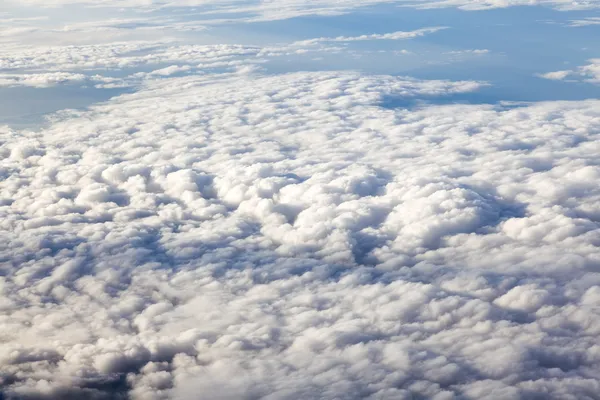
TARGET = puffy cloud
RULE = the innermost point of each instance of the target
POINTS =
(120, 56)
(45, 80)
(231, 236)
(40, 80)
(80, 64)
(588, 73)
(71, 65)
(591, 71)
(556, 75)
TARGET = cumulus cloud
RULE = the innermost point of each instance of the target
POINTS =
(224, 234)
(132, 54)
(70, 65)
(235, 236)
(556, 75)
(79, 64)
(45, 80)
(591, 71)
(469, 52)
(588, 73)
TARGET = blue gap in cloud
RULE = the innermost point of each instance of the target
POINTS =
(26, 107)
(523, 41)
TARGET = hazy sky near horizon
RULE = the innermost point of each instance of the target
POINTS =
(511, 48)
(299, 199)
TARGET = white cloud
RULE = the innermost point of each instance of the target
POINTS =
(283, 237)
(84, 64)
(261, 10)
(591, 71)
(588, 73)
(469, 52)
(242, 236)
(585, 22)
(556, 75)
(45, 80)
(119, 56)
(490, 4)
(171, 70)
(386, 36)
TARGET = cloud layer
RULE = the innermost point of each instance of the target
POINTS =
(131, 63)
(235, 236)
(261, 10)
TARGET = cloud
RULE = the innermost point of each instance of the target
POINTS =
(269, 10)
(591, 71)
(132, 54)
(80, 64)
(45, 80)
(386, 36)
(230, 235)
(585, 22)
(120, 56)
(587, 73)
(556, 75)
(469, 52)
(470, 5)
(239, 236)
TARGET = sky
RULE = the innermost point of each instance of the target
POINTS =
(299, 199)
